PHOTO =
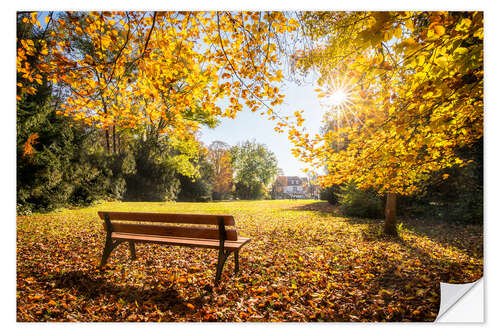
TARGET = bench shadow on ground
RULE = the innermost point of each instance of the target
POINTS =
(373, 227)
(89, 285)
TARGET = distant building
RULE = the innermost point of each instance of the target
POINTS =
(293, 187)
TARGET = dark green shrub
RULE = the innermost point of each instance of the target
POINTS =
(454, 194)
(194, 190)
(155, 178)
(253, 190)
(330, 194)
(358, 203)
(198, 189)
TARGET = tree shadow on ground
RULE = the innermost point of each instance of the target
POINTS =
(467, 238)
(323, 208)
(449, 269)
(90, 285)
(446, 270)
(444, 233)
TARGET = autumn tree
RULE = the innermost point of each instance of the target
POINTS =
(220, 157)
(255, 167)
(157, 76)
(406, 90)
(152, 67)
(57, 163)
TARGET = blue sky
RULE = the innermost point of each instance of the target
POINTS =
(249, 126)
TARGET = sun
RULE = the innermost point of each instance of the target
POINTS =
(338, 97)
(340, 100)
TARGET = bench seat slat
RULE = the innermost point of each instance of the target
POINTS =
(181, 241)
(168, 218)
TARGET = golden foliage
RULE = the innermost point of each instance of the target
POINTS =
(160, 68)
(417, 84)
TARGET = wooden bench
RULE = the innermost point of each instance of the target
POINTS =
(225, 240)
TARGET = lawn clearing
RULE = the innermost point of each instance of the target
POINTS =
(305, 263)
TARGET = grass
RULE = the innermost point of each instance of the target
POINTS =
(305, 263)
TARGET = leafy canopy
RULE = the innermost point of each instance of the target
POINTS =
(145, 68)
(413, 89)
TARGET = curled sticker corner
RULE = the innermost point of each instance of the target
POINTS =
(451, 294)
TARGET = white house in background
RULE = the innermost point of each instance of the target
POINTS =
(295, 187)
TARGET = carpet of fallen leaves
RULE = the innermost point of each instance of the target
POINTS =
(305, 263)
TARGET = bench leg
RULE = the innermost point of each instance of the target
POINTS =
(132, 250)
(220, 264)
(236, 262)
(106, 252)
(108, 248)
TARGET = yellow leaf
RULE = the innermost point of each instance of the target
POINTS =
(384, 291)
(439, 30)
(421, 60)
(398, 32)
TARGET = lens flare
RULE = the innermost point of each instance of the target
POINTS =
(338, 97)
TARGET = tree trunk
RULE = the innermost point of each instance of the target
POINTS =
(390, 215)
(114, 140)
(107, 140)
(119, 143)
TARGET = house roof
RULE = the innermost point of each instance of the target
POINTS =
(294, 180)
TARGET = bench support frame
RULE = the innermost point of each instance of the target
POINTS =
(222, 253)
(132, 250)
(112, 244)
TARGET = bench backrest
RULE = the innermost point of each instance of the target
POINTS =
(171, 230)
